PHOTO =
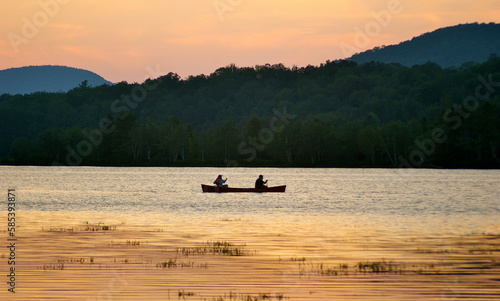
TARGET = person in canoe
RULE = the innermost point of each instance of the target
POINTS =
(260, 183)
(220, 181)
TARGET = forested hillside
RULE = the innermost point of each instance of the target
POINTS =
(448, 47)
(336, 114)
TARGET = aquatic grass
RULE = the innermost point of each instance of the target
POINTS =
(62, 264)
(171, 263)
(133, 242)
(486, 235)
(113, 244)
(226, 248)
(363, 267)
(85, 226)
(247, 297)
(174, 263)
(190, 251)
(80, 260)
(436, 251)
(58, 229)
(46, 267)
(127, 243)
(229, 220)
(379, 267)
(184, 294)
(126, 260)
(215, 248)
(484, 251)
(98, 227)
(323, 269)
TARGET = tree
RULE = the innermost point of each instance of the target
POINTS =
(84, 85)
(51, 145)
(223, 143)
(175, 139)
(20, 150)
(369, 142)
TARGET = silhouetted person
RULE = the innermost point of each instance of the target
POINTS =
(259, 183)
(220, 181)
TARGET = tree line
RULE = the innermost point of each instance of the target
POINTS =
(338, 114)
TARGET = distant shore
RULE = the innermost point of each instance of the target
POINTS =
(3, 163)
(338, 114)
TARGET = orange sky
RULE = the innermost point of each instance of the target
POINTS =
(121, 40)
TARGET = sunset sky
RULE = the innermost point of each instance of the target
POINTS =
(121, 40)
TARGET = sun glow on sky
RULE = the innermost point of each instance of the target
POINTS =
(120, 40)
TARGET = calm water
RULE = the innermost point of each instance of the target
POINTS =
(394, 198)
(440, 225)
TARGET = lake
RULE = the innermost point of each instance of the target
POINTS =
(435, 232)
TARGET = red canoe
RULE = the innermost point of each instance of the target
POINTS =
(211, 188)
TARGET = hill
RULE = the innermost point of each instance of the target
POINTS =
(448, 47)
(339, 114)
(26, 80)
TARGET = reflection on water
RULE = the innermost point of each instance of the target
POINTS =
(469, 196)
(337, 234)
(98, 256)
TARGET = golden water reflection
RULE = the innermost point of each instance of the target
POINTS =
(91, 256)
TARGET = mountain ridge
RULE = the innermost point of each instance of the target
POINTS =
(450, 46)
(46, 78)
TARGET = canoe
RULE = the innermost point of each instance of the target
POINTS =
(212, 188)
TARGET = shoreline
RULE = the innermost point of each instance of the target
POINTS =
(4, 164)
